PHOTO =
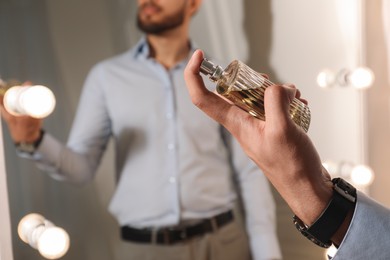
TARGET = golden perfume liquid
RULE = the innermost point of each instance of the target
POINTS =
(245, 88)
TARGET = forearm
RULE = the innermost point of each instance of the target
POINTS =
(63, 163)
(306, 199)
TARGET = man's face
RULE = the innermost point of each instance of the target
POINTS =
(158, 16)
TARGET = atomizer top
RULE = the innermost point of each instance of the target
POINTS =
(210, 69)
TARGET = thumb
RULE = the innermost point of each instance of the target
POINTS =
(210, 103)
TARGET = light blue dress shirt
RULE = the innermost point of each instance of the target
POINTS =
(368, 236)
(172, 162)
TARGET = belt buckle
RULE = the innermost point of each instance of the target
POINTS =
(173, 235)
(183, 233)
(157, 233)
(214, 224)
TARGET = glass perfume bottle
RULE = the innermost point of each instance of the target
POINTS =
(245, 88)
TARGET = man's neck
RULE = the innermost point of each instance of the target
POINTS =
(170, 48)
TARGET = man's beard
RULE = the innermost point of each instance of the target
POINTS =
(169, 23)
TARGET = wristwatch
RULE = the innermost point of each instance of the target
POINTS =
(330, 220)
(25, 148)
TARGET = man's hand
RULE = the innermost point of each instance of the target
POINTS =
(278, 146)
(22, 128)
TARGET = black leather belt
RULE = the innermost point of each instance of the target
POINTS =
(173, 235)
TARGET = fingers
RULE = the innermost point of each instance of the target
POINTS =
(297, 94)
(264, 75)
(277, 105)
(193, 79)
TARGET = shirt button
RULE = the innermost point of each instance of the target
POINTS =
(171, 146)
(172, 179)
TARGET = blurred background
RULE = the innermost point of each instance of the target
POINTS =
(56, 42)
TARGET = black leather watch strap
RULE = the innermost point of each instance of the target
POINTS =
(322, 230)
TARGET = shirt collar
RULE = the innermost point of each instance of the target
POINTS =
(142, 50)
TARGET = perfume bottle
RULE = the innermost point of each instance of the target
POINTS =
(245, 88)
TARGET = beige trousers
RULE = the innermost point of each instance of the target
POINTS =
(230, 242)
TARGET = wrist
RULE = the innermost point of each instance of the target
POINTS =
(332, 224)
(26, 136)
(30, 146)
(312, 200)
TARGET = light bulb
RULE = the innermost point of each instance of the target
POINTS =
(27, 224)
(53, 243)
(35, 101)
(325, 78)
(362, 175)
(361, 77)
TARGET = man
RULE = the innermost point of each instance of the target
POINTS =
(361, 231)
(174, 196)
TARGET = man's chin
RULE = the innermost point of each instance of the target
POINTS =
(154, 26)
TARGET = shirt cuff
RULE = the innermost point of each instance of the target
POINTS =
(265, 246)
(367, 235)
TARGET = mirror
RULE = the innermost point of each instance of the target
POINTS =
(57, 42)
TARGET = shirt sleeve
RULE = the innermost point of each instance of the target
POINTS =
(368, 235)
(78, 160)
(258, 202)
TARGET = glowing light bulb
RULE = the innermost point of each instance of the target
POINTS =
(53, 243)
(27, 224)
(362, 175)
(35, 101)
(361, 77)
(325, 78)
